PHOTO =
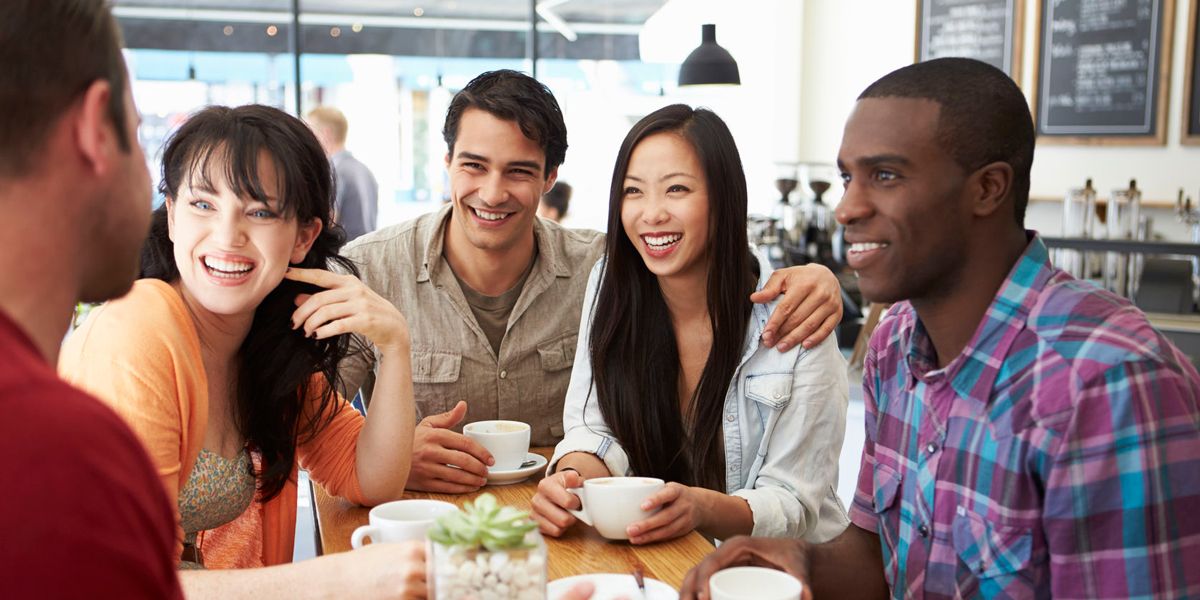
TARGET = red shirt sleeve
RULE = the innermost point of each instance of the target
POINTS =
(83, 513)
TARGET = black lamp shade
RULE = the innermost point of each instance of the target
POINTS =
(709, 63)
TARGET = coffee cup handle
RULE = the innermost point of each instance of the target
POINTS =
(580, 514)
(364, 531)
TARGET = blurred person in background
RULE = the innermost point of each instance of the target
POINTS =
(555, 202)
(357, 206)
(84, 513)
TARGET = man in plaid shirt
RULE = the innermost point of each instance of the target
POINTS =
(1028, 435)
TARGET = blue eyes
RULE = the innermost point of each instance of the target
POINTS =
(258, 213)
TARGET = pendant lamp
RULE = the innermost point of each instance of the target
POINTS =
(709, 63)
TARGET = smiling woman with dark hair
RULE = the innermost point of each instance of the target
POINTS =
(224, 359)
(669, 380)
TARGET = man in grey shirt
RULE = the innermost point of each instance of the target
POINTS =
(357, 202)
(493, 294)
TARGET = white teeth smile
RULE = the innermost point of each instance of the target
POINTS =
(488, 215)
(661, 241)
(867, 247)
(225, 268)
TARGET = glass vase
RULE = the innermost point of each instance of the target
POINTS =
(475, 573)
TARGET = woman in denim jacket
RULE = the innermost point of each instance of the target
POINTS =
(670, 380)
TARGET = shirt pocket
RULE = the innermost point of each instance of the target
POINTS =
(770, 393)
(435, 380)
(558, 354)
(995, 554)
(773, 390)
(556, 358)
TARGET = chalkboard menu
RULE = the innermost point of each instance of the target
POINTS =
(1191, 121)
(986, 30)
(1102, 69)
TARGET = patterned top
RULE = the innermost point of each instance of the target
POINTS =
(1058, 455)
(217, 491)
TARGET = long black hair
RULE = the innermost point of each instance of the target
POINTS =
(278, 367)
(635, 360)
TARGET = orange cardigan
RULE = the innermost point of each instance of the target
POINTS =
(141, 355)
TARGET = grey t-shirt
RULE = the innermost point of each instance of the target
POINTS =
(492, 312)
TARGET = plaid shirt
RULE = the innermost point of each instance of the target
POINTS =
(1058, 455)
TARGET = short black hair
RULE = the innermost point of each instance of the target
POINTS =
(51, 51)
(513, 96)
(559, 197)
(984, 117)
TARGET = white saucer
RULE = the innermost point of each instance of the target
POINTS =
(495, 477)
(612, 585)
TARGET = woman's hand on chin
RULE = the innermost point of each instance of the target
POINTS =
(681, 512)
(347, 306)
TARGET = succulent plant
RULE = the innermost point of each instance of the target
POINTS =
(484, 524)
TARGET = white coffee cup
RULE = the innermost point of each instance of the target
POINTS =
(400, 521)
(612, 504)
(753, 583)
(508, 441)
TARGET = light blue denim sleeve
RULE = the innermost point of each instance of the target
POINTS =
(794, 492)
(584, 429)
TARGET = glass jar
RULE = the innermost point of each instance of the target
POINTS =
(478, 574)
(1079, 215)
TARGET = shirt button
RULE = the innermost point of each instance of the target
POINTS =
(931, 448)
(503, 374)
(923, 530)
(730, 418)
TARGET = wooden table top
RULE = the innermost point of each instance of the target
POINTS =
(580, 551)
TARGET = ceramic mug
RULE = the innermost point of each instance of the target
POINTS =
(400, 521)
(612, 504)
(508, 441)
(753, 583)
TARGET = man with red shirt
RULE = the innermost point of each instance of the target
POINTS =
(83, 513)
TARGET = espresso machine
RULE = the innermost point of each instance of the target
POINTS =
(818, 229)
(803, 230)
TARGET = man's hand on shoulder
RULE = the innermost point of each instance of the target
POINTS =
(444, 461)
(810, 308)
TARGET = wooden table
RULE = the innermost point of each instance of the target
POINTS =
(580, 551)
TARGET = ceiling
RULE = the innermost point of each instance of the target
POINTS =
(590, 29)
(623, 12)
